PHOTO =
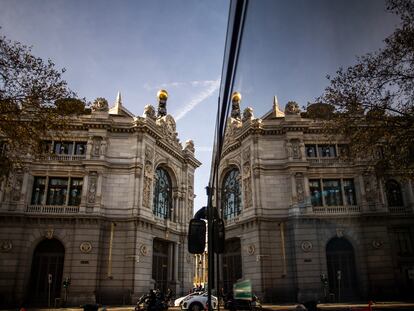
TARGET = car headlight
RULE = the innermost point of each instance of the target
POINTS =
(184, 305)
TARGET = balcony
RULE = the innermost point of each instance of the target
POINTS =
(399, 210)
(336, 210)
(52, 209)
(63, 157)
(326, 161)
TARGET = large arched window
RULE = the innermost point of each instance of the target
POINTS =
(394, 195)
(231, 194)
(162, 203)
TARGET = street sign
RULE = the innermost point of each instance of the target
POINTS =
(243, 290)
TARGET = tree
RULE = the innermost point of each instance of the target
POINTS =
(374, 100)
(34, 100)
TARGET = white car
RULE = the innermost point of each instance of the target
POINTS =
(179, 301)
(198, 302)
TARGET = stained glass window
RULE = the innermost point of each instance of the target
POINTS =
(231, 194)
(162, 194)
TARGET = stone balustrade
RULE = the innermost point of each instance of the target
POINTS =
(52, 209)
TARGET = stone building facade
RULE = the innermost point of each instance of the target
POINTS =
(303, 223)
(105, 210)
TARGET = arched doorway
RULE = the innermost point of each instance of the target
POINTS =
(341, 269)
(48, 259)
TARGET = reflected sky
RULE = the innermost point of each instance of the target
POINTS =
(289, 47)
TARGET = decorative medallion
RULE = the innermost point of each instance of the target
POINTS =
(144, 250)
(377, 244)
(251, 249)
(85, 247)
(6, 246)
(306, 246)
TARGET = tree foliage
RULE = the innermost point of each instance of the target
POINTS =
(374, 99)
(34, 99)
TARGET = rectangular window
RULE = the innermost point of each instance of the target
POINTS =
(332, 193)
(38, 193)
(403, 241)
(63, 148)
(326, 151)
(311, 151)
(75, 192)
(57, 191)
(316, 192)
(349, 192)
(80, 148)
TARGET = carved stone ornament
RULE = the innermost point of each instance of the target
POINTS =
(49, 233)
(306, 246)
(100, 104)
(6, 246)
(149, 112)
(85, 247)
(296, 149)
(17, 187)
(143, 250)
(339, 233)
(248, 114)
(93, 179)
(246, 154)
(292, 108)
(300, 192)
(189, 146)
(96, 146)
(149, 153)
(377, 244)
(251, 249)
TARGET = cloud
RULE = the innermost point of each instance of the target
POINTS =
(209, 87)
(195, 83)
(204, 148)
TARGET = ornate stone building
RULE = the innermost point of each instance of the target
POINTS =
(301, 222)
(106, 208)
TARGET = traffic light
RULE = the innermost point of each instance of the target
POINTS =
(197, 236)
(219, 236)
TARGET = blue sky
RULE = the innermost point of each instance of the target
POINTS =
(138, 47)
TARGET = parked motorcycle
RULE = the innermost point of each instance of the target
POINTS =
(154, 301)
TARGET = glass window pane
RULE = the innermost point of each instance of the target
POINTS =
(162, 194)
(63, 148)
(326, 151)
(38, 191)
(75, 191)
(80, 148)
(349, 191)
(332, 192)
(311, 151)
(57, 191)
(394, 195)
(231, 194)
(316, 193)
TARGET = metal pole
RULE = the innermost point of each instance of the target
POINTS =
(210, 247)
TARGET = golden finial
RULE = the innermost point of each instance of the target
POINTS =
(236, 97)
(162, 95)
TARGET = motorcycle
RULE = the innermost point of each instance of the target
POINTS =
(154, 301)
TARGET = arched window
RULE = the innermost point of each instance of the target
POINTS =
(231, 194)
(162, 194)
(394, 195)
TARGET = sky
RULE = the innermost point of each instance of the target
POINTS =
(138, 47)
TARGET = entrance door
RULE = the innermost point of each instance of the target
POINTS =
(232, 264)
(48, 259)
(160, 264)
(341, 269)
